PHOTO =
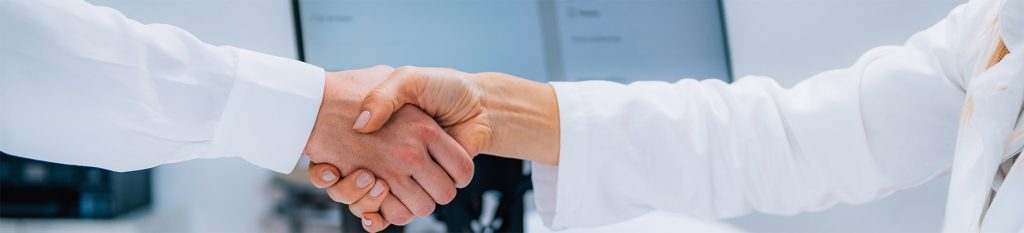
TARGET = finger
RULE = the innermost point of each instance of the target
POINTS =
(395, 212)
(323, 175)
(352, 187)
(436, 182)
(381, 102)
(453, 158)
(472, 137)
(374, 222)
(371, 203)
(412, 196)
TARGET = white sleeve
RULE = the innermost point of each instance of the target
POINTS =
(83, 85)
(715, 150)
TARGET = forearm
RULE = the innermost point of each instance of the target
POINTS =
(142, 95)
(523, 115)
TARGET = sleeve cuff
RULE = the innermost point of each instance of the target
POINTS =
(549, 194)
(271, 110)
(553, 185)
(545, 191)
(585, 189)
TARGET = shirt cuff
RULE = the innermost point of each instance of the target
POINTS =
(271, 110)
(595, 170)
(545, 191)
(552, 196)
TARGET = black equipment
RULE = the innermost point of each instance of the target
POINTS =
(37, 189)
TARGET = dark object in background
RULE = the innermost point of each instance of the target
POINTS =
(36, 189)
(493, 175)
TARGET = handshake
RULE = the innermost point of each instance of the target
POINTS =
(393, 142)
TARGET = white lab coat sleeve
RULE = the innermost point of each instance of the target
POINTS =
(84, 85)
(714, 150)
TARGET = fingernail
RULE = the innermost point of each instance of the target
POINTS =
(367, 222)
(362, 119)
(377, 190)
(327, 175)
(363, 180)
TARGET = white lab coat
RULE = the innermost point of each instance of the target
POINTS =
(81, 84)
(893, 120)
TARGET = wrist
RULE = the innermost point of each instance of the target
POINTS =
(523, 115)
(342, 95)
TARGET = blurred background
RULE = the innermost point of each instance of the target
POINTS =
(788, 40)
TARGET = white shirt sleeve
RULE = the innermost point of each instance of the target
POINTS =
(715, 150)
(83, 85)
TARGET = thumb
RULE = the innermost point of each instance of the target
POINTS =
(381, 102)
(473, 135)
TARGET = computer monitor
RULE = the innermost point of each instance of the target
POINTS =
(542, 40)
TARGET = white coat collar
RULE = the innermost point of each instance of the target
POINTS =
(1006, 214)
(990, 113)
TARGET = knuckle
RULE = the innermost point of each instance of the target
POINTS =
(425, 130)
(355, 210)
(389, 173)
(447, 196)
(406, 73)
(406, 68)
(464, 173)
(410, 156)
(399, 217)
(338, 196)
(403, 219)
(376, 94)
(358, 210)
(425, 208)
(380, 96)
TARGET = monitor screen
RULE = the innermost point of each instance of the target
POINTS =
(542, 40)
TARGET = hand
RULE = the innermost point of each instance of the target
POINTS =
(516, 118)
(355, 191)
(399, 154)
(450, 96)
(489, 112)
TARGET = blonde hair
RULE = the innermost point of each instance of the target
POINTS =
(998, 54)
(1000, 50)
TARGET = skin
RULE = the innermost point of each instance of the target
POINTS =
(490, 113)
(402, 157)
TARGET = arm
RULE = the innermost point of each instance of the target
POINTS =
(709, 149)
(522, 112)
(84, 85)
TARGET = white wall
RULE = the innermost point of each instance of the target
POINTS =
(790, 40)
(786, 39)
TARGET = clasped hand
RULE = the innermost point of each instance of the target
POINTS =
(400, 140)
